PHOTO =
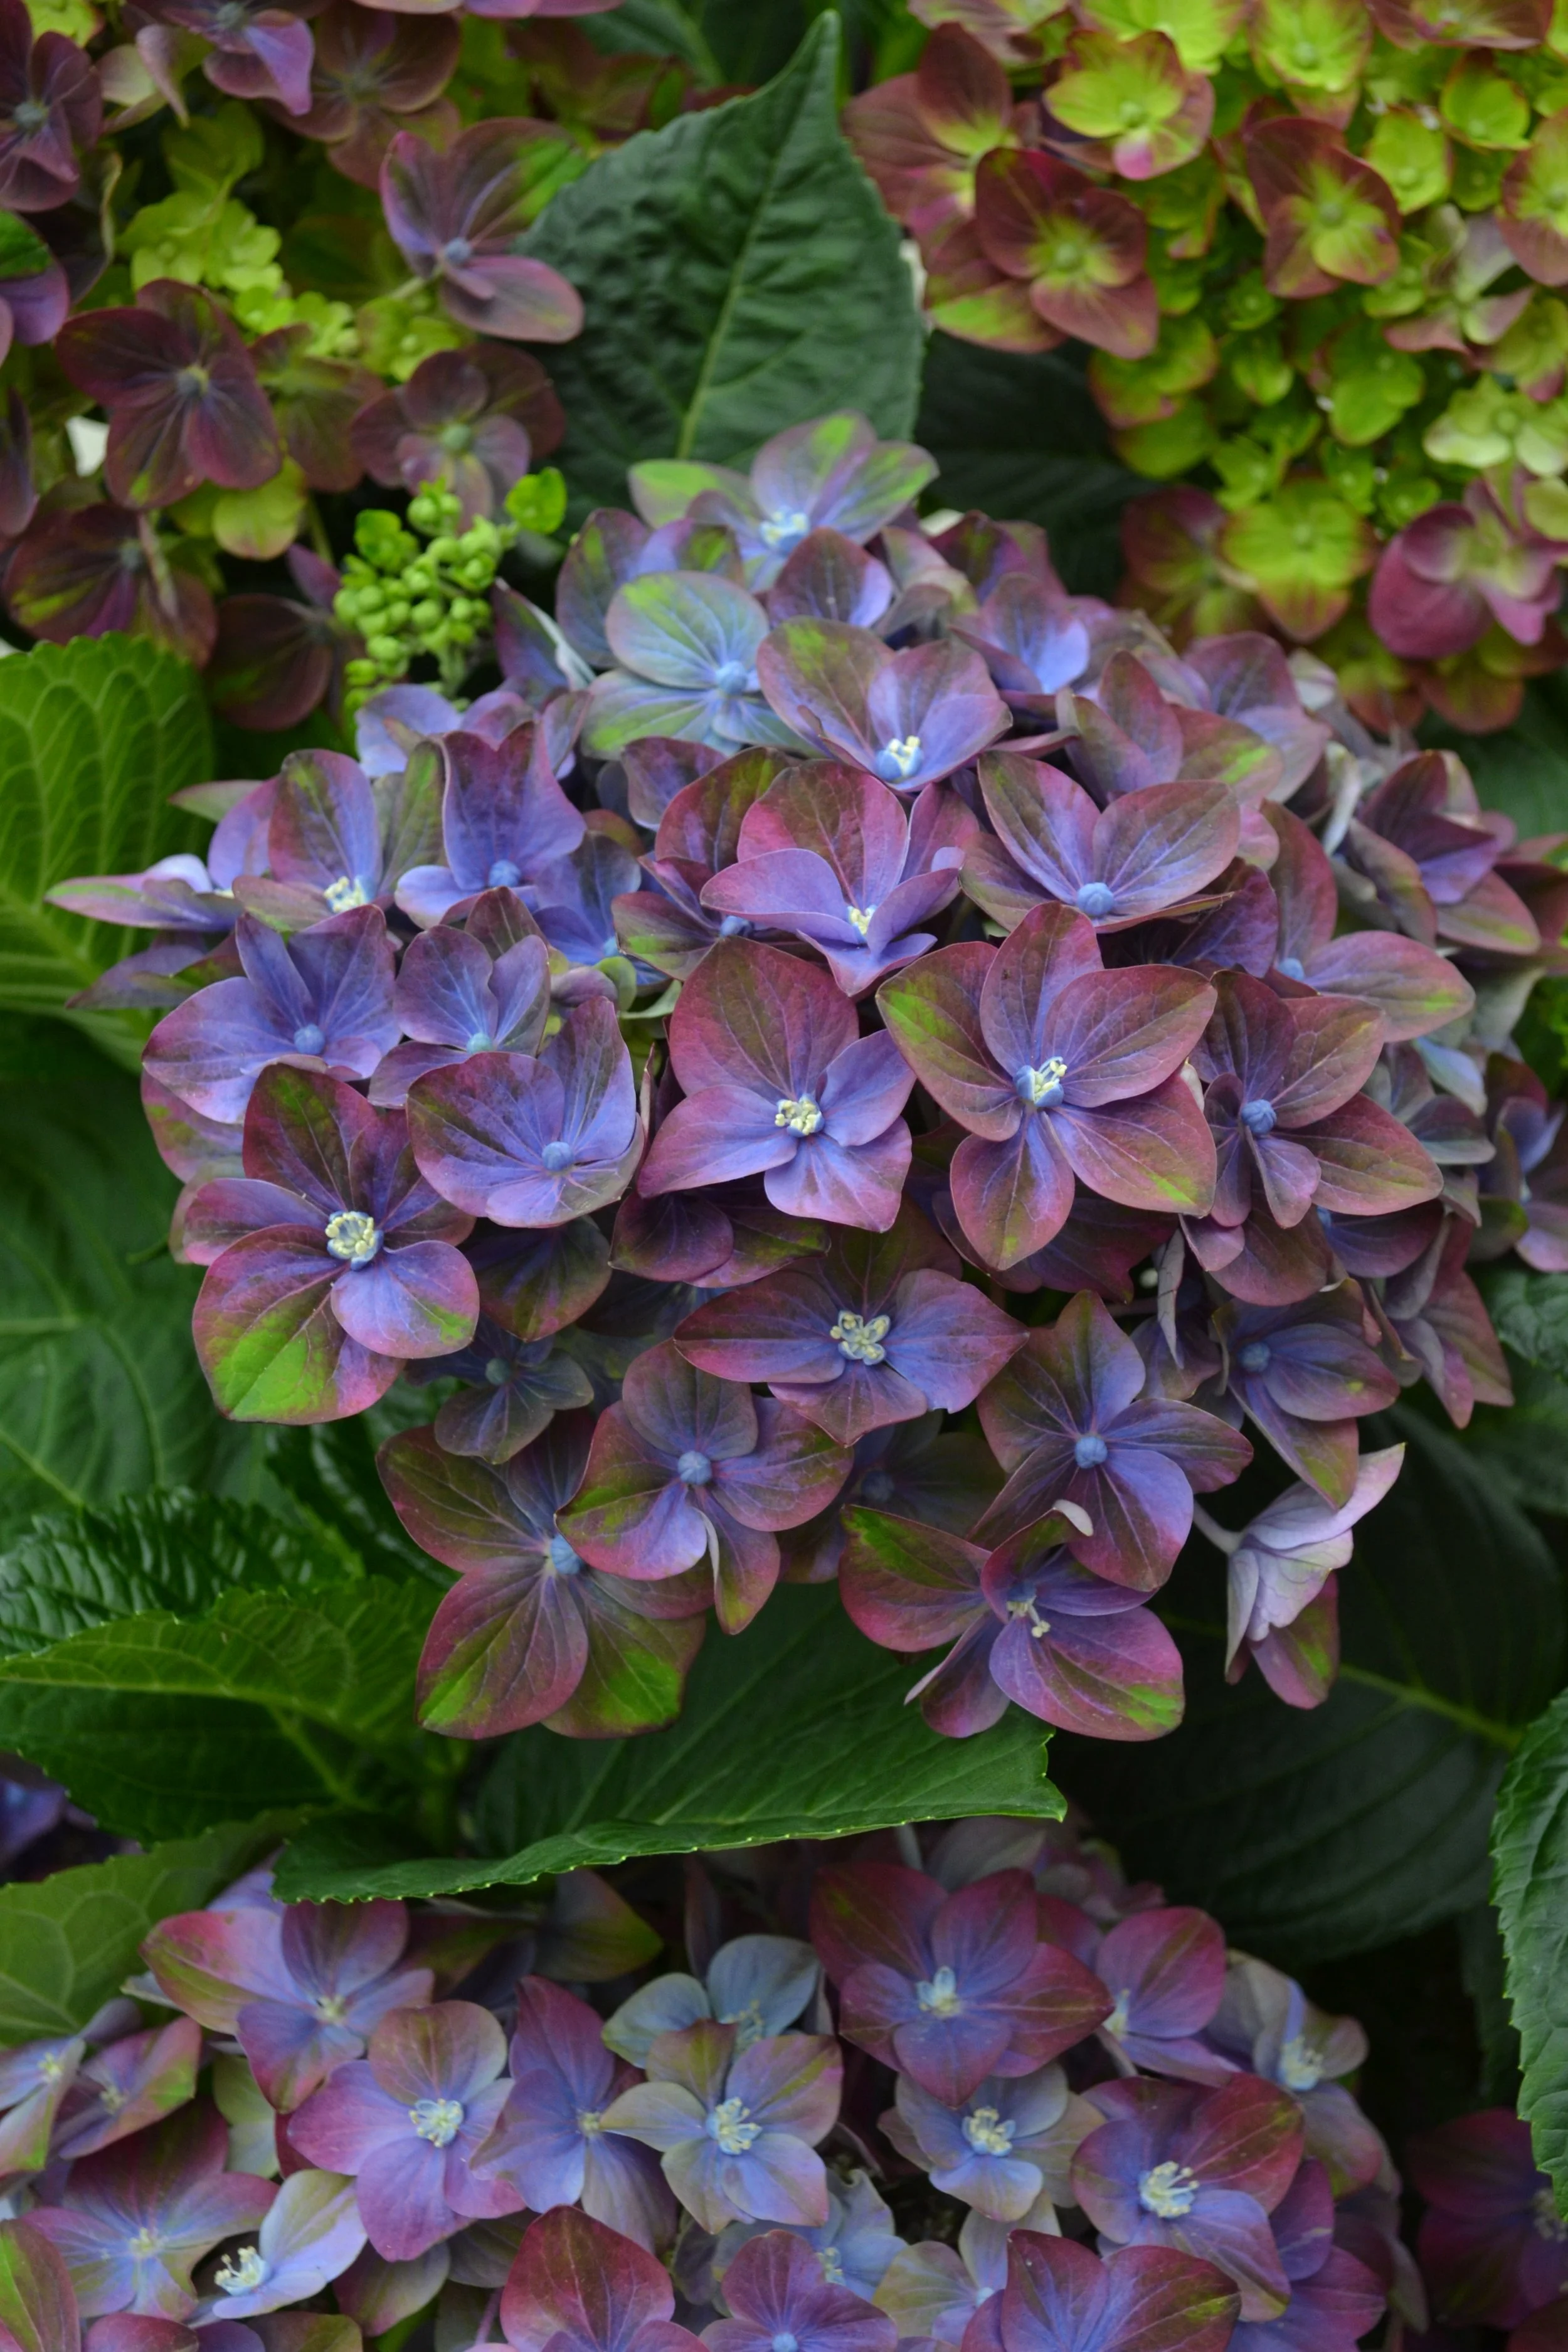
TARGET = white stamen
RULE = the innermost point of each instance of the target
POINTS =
(730, 2124)
(859, 1336)
(437, 2120)
(1042, 1088)
(785, 531)
(241, 2273)
(988, 2134)
(1300, 2066)
(900, 756)
(937, 1995)
(1168, 2190)
(353, 1236)
(747, 2022)
(1038, 1626)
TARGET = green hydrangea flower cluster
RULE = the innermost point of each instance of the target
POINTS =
(1313, 247)
(422, 587)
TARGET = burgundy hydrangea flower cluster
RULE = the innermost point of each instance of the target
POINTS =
(234, 346)
(985, 2095)
(891, 989)
(1317, 259)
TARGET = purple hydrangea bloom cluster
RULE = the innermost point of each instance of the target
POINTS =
(1492, 2248)
(712, 1068)
(1110, 2132)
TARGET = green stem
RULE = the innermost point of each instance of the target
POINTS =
(318, 531)
(1505, 1735)
(293, 1729)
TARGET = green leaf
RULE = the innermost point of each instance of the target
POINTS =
(1520, 769)
(23, 253)
(652, 28)
(329, 1471)
(68, 1943)
(739, 275)
(1530, 1314)
(794, 1729)
(211, 152)
(100, 1388)
(172, 1550)
(1530, 1851)
(1523, 1448)
(1332, 1831)
(982, 417)
(94, 736)
(165, 1720)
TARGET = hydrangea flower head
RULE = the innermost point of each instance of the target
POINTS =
(550, 2142)
(779, 2301)
(407, 2121)
(582, 2287)
(131, 2223)
(1198, 2171)
(759, 1984)
(948, 1987)
(300, 1986)
(737, 2129)
(833, 473)
(1491, 2244)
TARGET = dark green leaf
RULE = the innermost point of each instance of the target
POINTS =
(69, 1942)
(652, 28)
(1529, 1848)
(100, 1388)
(794, 1729)
(94, 736)
(1483, 1968)
(1524, 1446)
(172, 1550)
(1019, 436)
(740, 276)
(1520, 769)
(1529, 1312)
(1332, 1830)
(330, 1472)
(164, 1721)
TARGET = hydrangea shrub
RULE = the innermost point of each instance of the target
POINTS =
(732, 1030)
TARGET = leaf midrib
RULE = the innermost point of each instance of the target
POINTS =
(686, 440)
